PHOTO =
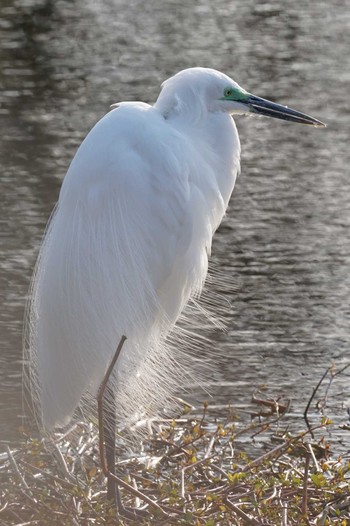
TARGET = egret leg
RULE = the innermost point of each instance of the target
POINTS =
(107, 421)
(113, 492)
(110, 436)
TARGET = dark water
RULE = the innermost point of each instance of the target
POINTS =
(285, 241)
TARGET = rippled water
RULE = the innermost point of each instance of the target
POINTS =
(285, 241)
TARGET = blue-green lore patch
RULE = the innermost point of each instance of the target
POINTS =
(235, 94)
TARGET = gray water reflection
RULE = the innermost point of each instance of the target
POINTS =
(285, 242)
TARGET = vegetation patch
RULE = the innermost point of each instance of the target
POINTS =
(198, 470)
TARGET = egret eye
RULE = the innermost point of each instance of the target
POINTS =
(228, 92)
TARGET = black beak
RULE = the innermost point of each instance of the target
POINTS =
(271, 109)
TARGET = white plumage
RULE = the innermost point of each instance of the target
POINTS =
(128, 243)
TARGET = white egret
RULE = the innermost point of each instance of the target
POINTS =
(128, 243)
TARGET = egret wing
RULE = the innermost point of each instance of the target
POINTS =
(120, 227)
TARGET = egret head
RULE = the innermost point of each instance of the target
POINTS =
(200, 90)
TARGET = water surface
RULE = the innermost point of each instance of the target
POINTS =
(285, 241)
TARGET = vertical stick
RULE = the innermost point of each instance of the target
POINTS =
(306, 474)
